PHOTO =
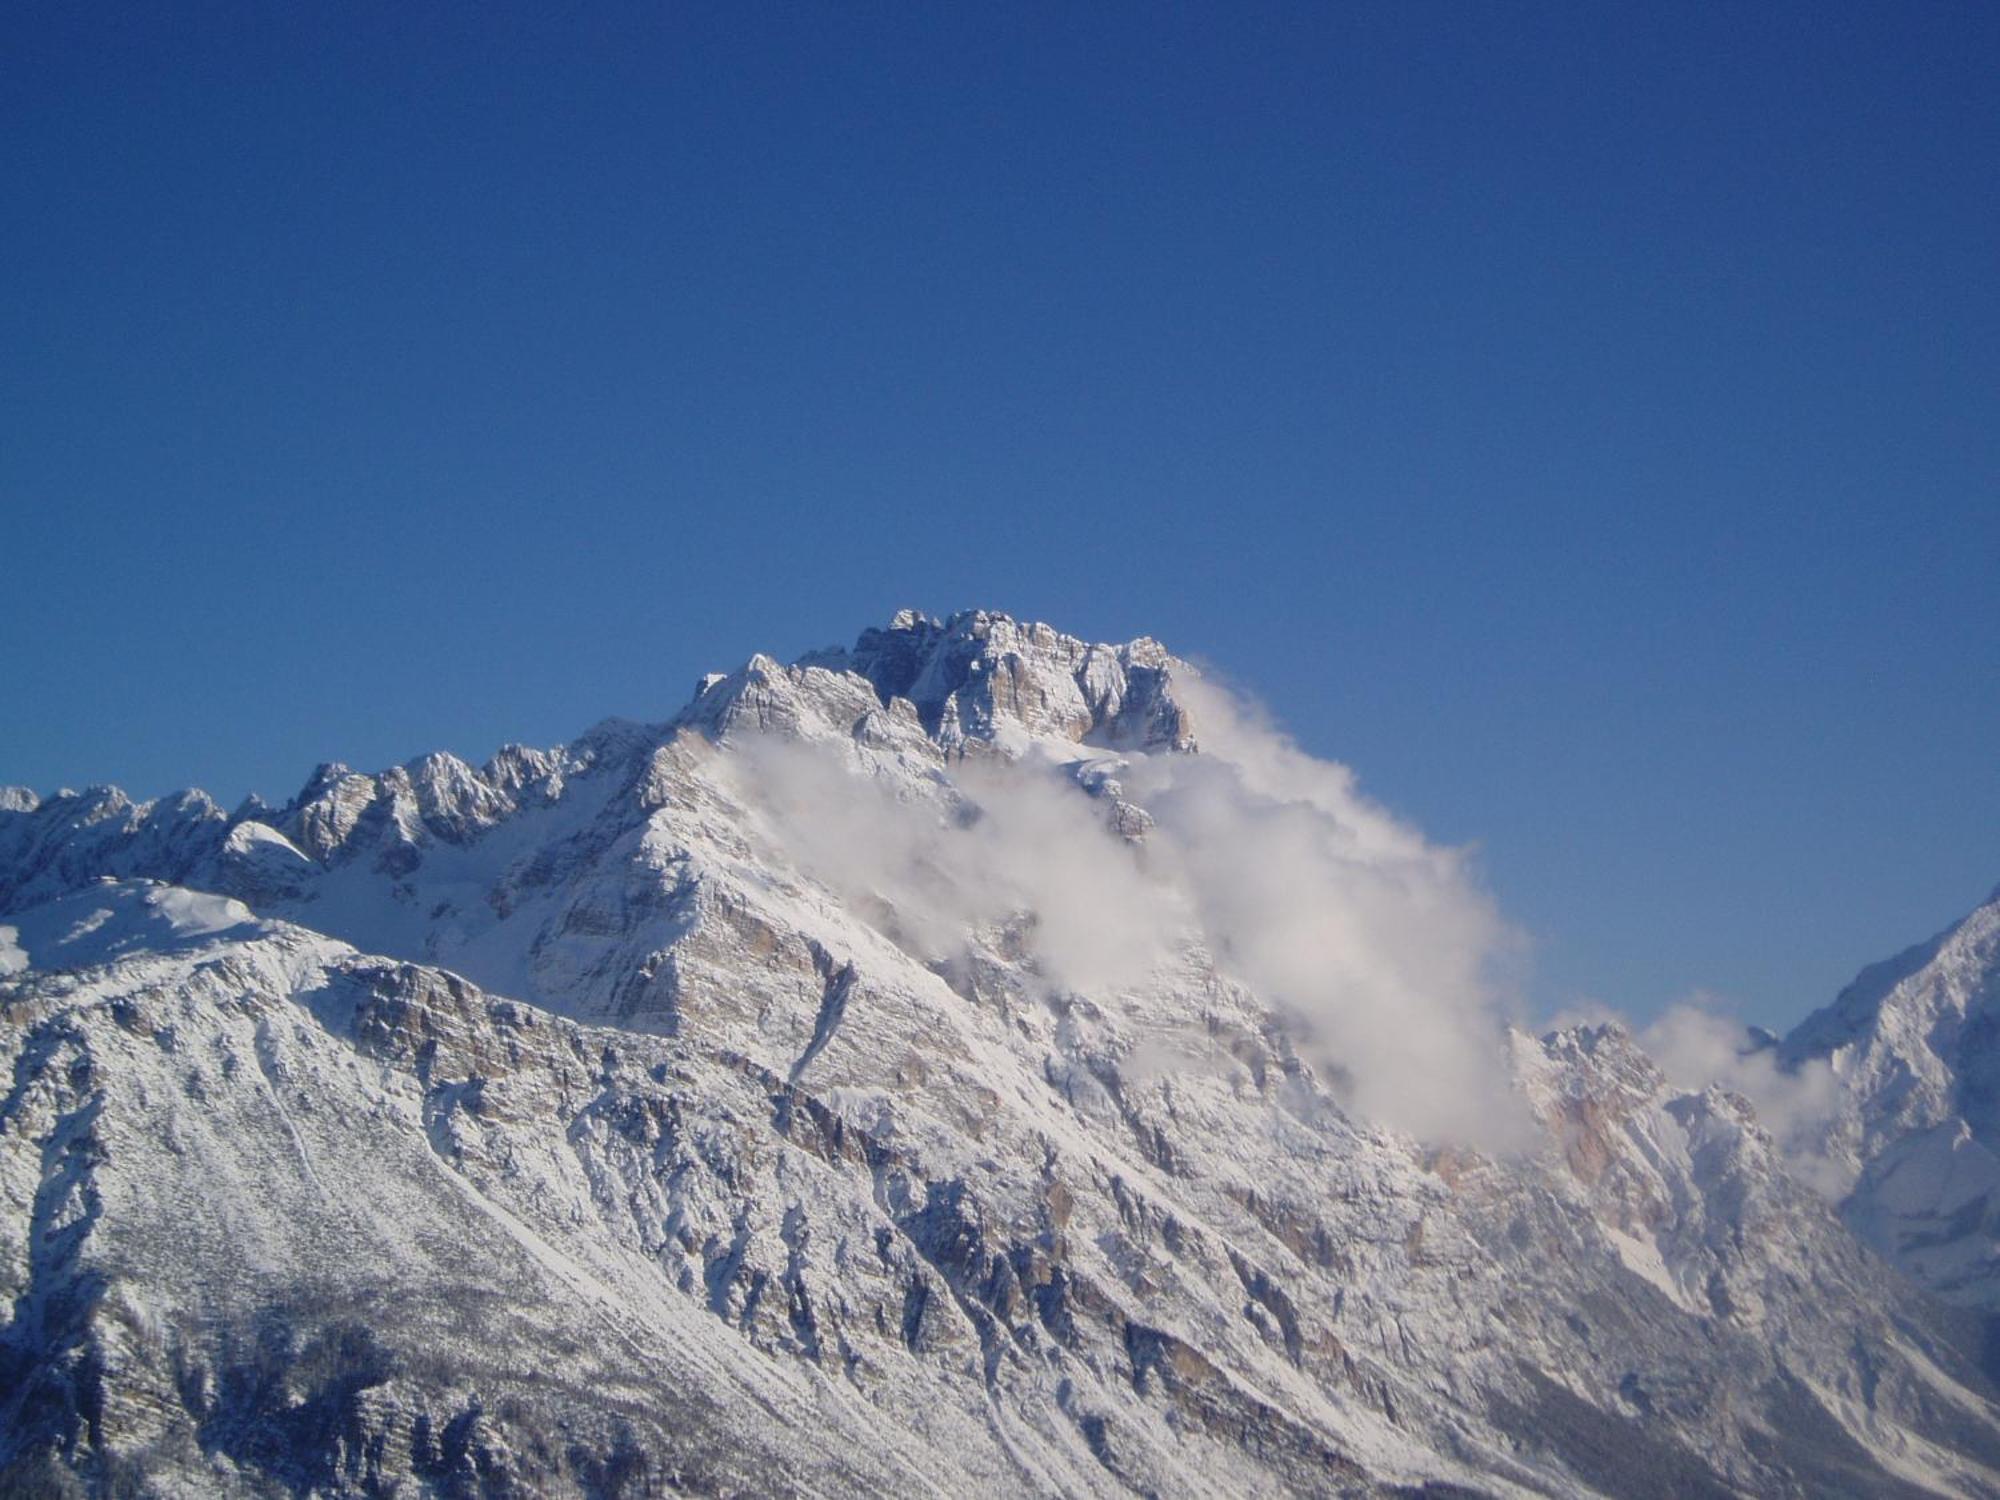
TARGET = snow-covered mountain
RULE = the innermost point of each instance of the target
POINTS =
(977, 1061)
(1915, 1044)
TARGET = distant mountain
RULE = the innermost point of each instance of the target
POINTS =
(977, 1061)
(1915, 1043)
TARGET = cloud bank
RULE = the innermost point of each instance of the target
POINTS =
(1381, 951)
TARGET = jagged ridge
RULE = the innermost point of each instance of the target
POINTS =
(761, 1194)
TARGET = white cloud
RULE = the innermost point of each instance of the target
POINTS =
(1380, 949)
(939, 862)
(1383, 949)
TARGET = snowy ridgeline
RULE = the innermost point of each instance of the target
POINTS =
(974, 1061)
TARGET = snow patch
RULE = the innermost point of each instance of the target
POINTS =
(108, 921)
(1643, 1259)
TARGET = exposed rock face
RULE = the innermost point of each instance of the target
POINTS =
(969, 675)
(563, 1127)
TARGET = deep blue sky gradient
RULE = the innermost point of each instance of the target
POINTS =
(1582, 419)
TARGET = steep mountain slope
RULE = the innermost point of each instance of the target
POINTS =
(538, 873)
(889, 1076)
(1915, 1042)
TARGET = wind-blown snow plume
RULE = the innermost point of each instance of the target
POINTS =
(1379, 949)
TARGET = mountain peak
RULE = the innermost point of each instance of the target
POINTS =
(1913, 1042)
(974, 676)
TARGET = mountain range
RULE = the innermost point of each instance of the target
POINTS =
(973, 1061)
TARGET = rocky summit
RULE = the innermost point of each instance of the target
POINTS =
(976, 1062)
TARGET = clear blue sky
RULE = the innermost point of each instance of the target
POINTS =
(1584, 419)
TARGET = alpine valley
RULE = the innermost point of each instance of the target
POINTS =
(976, 1062)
